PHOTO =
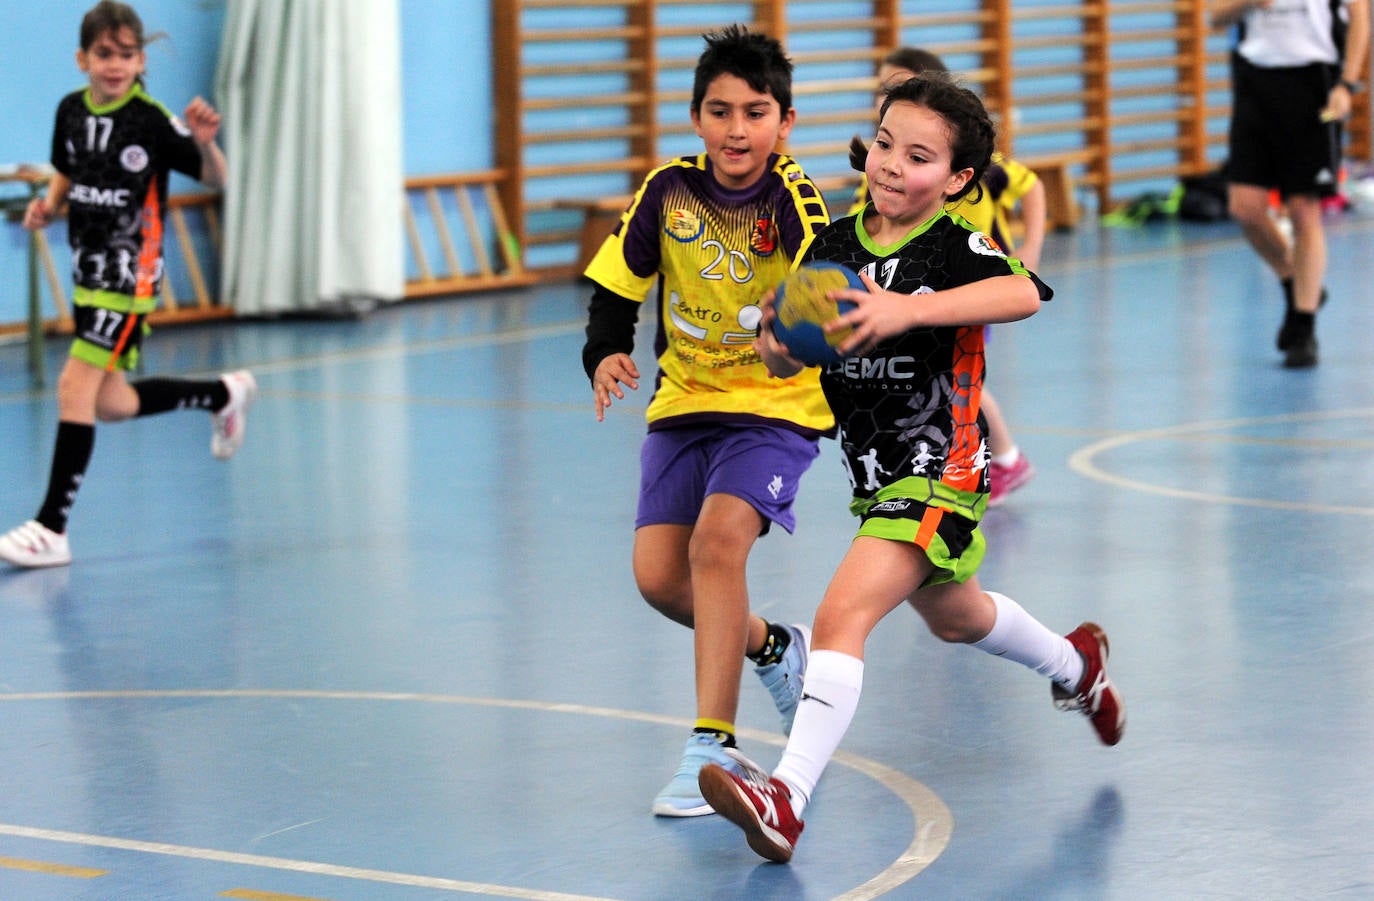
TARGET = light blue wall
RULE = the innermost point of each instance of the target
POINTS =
(446, 79)
(445, 54)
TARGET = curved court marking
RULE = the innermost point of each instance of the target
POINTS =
(934, 822)
(1082, 461)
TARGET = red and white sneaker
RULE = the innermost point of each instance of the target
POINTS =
(1003, 480)
(231, 420)
(756, 803)
(1096, 696)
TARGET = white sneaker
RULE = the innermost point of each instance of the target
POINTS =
(231, 420)
(34, 544)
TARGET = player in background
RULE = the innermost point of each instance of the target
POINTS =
(113, 148)
(1294, 70)
(727, 444)
(915, 448)
(1006, 185)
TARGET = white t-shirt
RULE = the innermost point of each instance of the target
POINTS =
(1291, 33)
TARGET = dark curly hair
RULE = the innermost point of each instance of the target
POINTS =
(972, 134)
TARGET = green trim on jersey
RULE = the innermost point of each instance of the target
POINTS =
(879, 250)
(113, 300)
(135, 93)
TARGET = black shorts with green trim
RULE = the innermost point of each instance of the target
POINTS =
(950, 538)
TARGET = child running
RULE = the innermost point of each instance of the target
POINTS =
(113, 148)
(727, 444)
(915, 447)
(1006, 185)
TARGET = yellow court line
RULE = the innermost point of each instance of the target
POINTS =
(254, 895)
(52, 869)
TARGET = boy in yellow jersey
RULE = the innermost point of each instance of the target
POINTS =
(1005, 185)
(727, 444)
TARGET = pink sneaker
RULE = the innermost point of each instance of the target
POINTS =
(1003, 480)
(758, 804)
(1096, 696)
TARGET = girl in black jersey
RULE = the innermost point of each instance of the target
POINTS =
(113, 149)
(906, 399)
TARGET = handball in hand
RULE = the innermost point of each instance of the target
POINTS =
(803, 309)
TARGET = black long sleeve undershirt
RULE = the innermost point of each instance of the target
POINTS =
(610, 328)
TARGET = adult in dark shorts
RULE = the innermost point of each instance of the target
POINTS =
(1295, 68)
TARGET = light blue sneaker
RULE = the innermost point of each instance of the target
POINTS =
(784, 678)
(681, 797)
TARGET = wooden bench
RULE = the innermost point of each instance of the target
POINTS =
(1062, 209)
(599, 218)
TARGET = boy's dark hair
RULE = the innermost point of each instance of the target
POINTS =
(915, 59)
(110, 16)
(754, 57)
(972, 135)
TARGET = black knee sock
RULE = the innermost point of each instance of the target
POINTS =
(160, 395)
(774, 646)
(70, 456)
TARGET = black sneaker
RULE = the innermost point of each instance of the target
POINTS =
(1302, 354)
(1288, 332)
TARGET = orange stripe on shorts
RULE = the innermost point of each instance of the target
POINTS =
(930, 524)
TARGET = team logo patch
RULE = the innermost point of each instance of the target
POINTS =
(982, 244)
(133, 158)
(763, 240)
(683, 225)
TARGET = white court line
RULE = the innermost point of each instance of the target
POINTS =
(383, 351)
(934, 822)
(297, 866)
(1082, 461)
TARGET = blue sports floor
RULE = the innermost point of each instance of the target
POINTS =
(393, 650)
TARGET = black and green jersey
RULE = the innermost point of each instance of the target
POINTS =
(118, 158)
(908, 409)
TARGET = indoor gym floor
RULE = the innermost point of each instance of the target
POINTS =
(393, 650)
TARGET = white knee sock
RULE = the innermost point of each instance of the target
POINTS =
(830, 695)
(1021, 637)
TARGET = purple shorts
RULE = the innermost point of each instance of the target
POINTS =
(679, 468)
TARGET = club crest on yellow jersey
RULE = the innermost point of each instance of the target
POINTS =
(682, 225)
(763, 240)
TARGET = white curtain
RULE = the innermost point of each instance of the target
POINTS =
(310, 93)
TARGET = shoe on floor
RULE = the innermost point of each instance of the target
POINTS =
(784, 678)
(681, 797)
(1288, 331)
(1003, 480)
(231, 420)
(1301, 354)
(34, 544)
(1096, 697)
(756, 803)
